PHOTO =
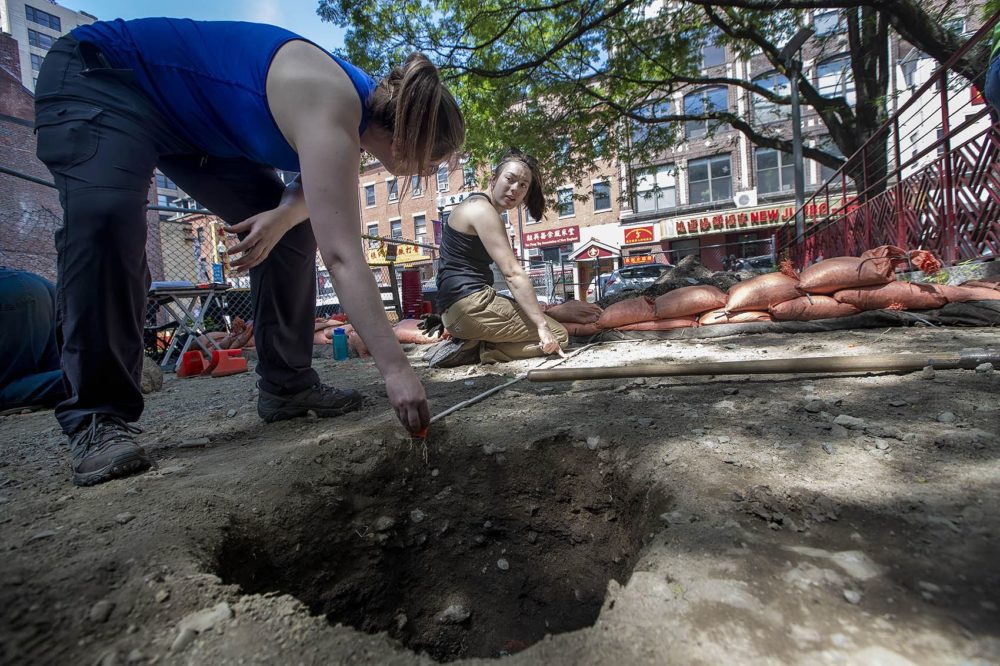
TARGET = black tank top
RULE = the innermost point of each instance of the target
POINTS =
(465, 265)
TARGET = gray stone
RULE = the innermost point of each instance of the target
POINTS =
(231, 413)
(849, 421)
(101, 611)
(417, 516)
(898, 403)
(453, 614)
(162, 595)
(927, 372)
(532, 536)
(384, 523)
(838, 431)
(503, 564)
(827, 447)
(593, 442)
(730, 391)
(815, 406)
(852, 596)
(44, 534)
(946, 417)
(124, 518)
(152, 376)
(644, 422)
(984, 368)
(881, 445)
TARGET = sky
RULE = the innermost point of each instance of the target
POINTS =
(299, 16)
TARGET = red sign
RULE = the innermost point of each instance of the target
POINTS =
(637, 259)
(763, 217)
(552, 237)
(635, 235)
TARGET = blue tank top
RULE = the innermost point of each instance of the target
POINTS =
(209, 79)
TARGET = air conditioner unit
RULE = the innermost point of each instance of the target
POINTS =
(746, 198)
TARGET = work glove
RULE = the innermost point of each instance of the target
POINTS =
(431, 325)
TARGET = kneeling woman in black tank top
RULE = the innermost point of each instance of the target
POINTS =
(486, 326)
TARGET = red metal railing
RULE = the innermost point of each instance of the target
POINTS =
(944, 198)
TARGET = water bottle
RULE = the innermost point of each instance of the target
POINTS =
(339, 344)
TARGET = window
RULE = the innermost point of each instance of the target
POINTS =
(468, 176)
(682, 248)
(416, 186)
(775, 171)
(164, 182)
(396, 227)
(655, 189)
(370, 195)
(42, 18)
(834, 79)
(704, 101)
(565, 202)
(764, 110)
(420, 228)
(602, 196)
(713, 54)
(373, 229)
(655, 109)
(562, 150)
(827, 146)
(162, 200)
(39, 39)
(827, 23)
(393, 186)
(710, 179)
(36, 61)
(909, 70)
(442, 178)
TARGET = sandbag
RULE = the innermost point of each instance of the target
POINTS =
(629, 311)
(833, 275)
(810, 308)
(661, 324)
(408, 331)
(760, 293)
(723, 317)
(985, 284)
(688, 301)
(582, 330)
(965, 293)
(894, 296)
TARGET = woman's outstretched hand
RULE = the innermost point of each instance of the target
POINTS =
(548, 342)
(406, 395)
(263, 231)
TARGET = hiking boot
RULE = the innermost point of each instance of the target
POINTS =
(321, 399)
(105, 450)
(452, 353)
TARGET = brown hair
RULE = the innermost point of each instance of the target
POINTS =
(535, 199)
(425, 121)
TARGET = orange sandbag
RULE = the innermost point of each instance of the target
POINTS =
(723, 317)
(965, 293)
(744, 317)
(832, 275)
(661, 324)
(688, 301)
(629, 311)
(582, 330)
(894, 296)
(809, 308)
(985, 284)
(407, 331)
(762, 292)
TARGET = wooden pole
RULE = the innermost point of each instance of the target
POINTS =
(968, 359)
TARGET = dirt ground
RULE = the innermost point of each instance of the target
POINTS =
(729, 519)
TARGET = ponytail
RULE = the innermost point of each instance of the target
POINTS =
(425, 121)
(534, 201)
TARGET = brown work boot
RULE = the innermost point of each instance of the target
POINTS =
(105, 450)
(452, 353)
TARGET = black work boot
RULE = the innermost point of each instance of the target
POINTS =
(321, 399)
(452, 353)
(105, 450)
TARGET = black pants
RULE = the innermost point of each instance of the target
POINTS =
(101, 138)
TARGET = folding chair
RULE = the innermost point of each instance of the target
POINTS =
(180, 300)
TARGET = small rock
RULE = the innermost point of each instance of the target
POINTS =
(124, 518)
(417, 516)
(730, 391)
(946, 417)
(532, 536)
(503, 565)
(984, 368)
(852, 596)
(101, 611)
(644, 423)
(881, 445)
(198, 622)
(454, 614)
(231, 413)
(838, 431)
(827, 447)
(593, 442)
(44, 534)
(152, 376)
(135, 657)
(162, 595)
(898, 403)
(927, 372)
(193, 443)
(384, 523)
(814, 407)
(401, 621)
(929, 587)
(849, 421)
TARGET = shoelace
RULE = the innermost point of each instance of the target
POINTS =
(104, 430)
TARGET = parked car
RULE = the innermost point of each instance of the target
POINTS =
(633, 278)
(760, 264)
(597, 286)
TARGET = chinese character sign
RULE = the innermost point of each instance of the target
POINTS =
(552, 237)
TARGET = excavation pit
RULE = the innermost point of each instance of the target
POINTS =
(471, 556)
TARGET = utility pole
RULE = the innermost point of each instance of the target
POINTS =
(793, 66)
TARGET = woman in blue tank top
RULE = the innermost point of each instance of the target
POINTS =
(217, 106)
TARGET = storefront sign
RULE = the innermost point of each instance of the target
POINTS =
(405, 254)
(737, 220)
(552, 237)
(636, 259)
(637, 235)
